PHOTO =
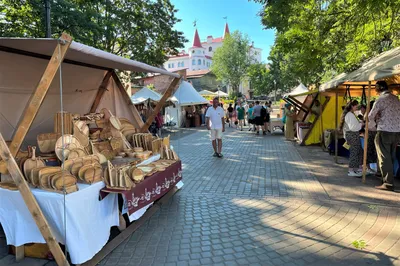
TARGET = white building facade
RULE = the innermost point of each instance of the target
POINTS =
(199, 56)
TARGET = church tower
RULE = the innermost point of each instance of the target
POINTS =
(197, 53)
(226, 30)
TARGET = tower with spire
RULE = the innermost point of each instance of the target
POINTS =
(199, 55)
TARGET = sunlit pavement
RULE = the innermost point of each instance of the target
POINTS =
(262, 204)
(267, 202)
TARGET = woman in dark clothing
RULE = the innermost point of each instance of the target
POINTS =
(230, 114)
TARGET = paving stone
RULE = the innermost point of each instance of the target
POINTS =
(267, 202)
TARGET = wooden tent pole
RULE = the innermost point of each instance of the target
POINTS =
(31, 203)
(38, 96)
(100, 92)
(322, 122)
(138, 122)
(366, 134)
(161, 103)
(336, 127)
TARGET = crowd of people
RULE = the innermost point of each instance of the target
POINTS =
(383, 135)
(258, 118)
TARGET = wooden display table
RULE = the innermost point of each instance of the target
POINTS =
(149, 190)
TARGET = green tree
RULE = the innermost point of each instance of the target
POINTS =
(259, 77)
(138, 29)
(322, 38)
(232, 60)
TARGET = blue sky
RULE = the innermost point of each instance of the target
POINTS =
(242, 16)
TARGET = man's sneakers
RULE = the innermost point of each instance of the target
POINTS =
(354, 173)
(219, 155)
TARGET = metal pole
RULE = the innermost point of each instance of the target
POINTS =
(336, 127)
(47, 18)
(366, 134)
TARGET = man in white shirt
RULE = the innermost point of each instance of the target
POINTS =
(215, 121)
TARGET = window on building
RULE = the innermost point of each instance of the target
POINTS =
(204, 62)
(199, 62)
(194, 62)
(182, 64)
(179, 64)
(169, 65)
(193, 51)
(210, 49)
(173, 65)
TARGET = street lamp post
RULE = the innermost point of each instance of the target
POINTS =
(47, 18)
(275, 91)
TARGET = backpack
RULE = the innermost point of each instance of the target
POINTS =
(263, 112)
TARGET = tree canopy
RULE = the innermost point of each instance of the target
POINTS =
(318, 39)
(137, 29)
(232, 60)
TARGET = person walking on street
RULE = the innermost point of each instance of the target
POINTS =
(250, 118)
(230, 114)
(215, 120)
(386, 114)
(258, 120)
(240, 115)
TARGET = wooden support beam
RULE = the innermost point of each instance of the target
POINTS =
(38, 96)
(366, 134)
(336, 127)
(102, 89)
(161, 103)
(31, 203)
(314, 122)
(19, 253)
(138, 122)
(303, 106)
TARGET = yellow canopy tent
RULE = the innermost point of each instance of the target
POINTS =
(323, 120)
(385, 66)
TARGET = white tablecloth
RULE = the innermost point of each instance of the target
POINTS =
(88, 220)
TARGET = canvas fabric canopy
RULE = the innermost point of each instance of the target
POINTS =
(145, 94)
(221, 94)
(206, 93)
(299, 90)
(383, 66)
(78, 53)
(187, 95)
(80, 84)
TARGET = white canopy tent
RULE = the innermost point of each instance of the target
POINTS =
(145, 94)
(206, 93)
(36, 82)
(221, 94)
(300, 89)
(185, 95)
(83, 70)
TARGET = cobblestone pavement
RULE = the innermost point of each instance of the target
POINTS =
(267, 202)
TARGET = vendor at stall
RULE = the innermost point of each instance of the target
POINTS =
(288, 120)
(351, 127)
(386, 113)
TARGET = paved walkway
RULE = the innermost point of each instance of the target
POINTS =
(267, 202)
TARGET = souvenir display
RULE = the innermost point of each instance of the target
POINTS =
(32, 162)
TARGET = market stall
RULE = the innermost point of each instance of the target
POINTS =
(144, 95)
(73, 131)
(185, 99)
(361, 81)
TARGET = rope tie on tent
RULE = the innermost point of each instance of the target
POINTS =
(347, 95)
(363, 96)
